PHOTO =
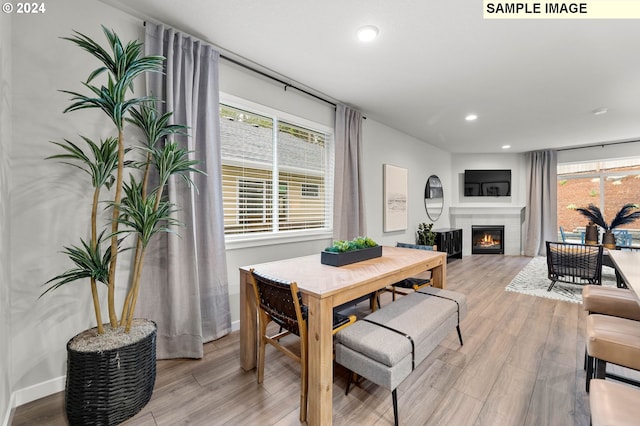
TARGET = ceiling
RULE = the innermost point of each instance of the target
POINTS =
(534, 84)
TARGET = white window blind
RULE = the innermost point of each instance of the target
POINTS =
(263, 150)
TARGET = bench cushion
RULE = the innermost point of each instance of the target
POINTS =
(379, 343)
(384, 356)
(459, 298)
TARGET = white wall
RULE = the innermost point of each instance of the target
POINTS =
(384, 145)
(5, 146)
(513, 162)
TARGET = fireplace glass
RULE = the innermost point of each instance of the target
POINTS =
(487, 239)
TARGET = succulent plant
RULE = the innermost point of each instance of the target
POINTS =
(357, 243)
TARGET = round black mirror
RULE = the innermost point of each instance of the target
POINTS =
(433, 197)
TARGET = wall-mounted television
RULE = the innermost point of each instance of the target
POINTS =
(487, 183)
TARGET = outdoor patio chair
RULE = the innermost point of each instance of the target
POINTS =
(623, 237)
(574, 263)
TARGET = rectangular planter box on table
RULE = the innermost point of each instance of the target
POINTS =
(345, 258)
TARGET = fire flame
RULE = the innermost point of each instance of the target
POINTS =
(487, 240)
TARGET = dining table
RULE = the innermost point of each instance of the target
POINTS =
(627, 266)
(324, 287)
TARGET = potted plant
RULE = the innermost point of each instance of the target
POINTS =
(624, 216)
(344, 252)
(111, 368)
(425, 236)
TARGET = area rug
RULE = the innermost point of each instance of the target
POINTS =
(532, 280)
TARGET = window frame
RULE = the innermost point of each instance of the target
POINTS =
(236, 241)
(601, 174)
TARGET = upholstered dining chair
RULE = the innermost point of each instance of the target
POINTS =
(574, 263)
(281, 302)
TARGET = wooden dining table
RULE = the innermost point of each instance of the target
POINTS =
(627, 264)
(323, 287)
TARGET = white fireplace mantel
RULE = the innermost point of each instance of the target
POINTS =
(486, 210)
(512, 217)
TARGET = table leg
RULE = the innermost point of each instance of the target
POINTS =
(320, 323)
(248, 324)
(439, 275)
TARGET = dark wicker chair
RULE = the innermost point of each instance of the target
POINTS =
(281, 302)
(574, 263)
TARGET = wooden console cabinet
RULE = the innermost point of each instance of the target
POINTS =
(449, 240)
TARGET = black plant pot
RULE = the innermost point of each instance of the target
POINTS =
(108, 387)
(348, 257)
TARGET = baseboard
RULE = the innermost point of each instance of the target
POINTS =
(31, 393)
(8, 417)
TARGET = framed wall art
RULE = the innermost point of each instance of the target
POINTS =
(395, 198)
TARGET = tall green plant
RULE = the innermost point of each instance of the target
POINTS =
(137, 209)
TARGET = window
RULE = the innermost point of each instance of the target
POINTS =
(310, 190)
(254, 202)
(263, 149)
(606, 184)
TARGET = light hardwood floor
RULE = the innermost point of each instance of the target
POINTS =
(521, 364)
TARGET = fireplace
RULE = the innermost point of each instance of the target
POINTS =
(487, 239)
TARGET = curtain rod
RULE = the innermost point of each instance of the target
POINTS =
(264, 74)
(286, 85)
(602, 145)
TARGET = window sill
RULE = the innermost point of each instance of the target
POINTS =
(247, 241)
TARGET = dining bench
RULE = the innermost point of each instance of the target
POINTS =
(387, 345)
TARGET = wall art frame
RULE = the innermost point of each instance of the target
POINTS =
(395, 197)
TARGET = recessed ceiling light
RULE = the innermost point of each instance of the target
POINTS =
(506, 146)
(471, 117)
(600, 111)
(367, 33)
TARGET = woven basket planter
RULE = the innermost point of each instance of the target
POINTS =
(107, 387)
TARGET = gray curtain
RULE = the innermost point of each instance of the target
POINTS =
(348, 205)
(185, 288)
(541, 211)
